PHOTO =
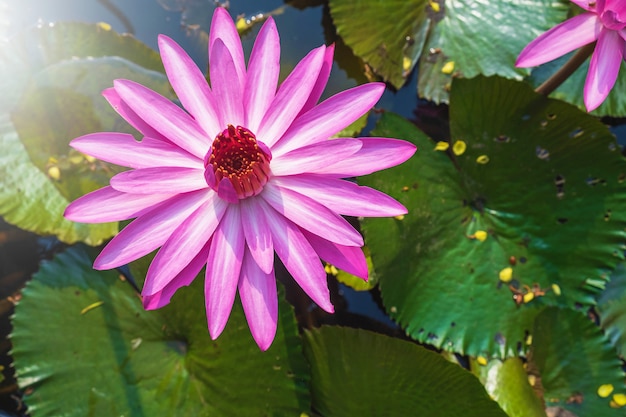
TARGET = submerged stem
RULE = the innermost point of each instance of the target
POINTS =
(566, 70)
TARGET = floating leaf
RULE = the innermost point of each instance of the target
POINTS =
(388, 35)
(574, 359)
(572, 89)
(357, 372)
(51, 78)
(612, 309)
(507, 382)
(557, 220)
(456, 37)
(117, 359)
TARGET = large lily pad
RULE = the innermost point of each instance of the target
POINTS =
(84, 345)
(612, 309)
(573, 359)
(51, 78)
(471, 37)
(572, 89)
(357, 373)
(542, 181)
(388, 35)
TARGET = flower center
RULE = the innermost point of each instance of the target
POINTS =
(237, 166)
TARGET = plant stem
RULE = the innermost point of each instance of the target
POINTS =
(566, 70)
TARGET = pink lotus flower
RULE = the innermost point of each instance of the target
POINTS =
(246, 171)
(604, 22)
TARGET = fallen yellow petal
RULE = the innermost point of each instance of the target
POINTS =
(54, 172)
(442, 146)
(556, 289)
(482, 159)
(459, 147)
(506, 274)
(104, 26)
(480, 235)
(448, 67)
(482, 361)
(620, 399)
(91, 307)
(528, 297)
(435, 6)
(605, 390)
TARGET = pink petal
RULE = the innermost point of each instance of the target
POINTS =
(226, 90)
(263, 71)
(223, 27)
(374, 155)
(292, 95)
(184, 244)
(342, 197)
(190, 85)
(316, 157)
(183, 279)
(130, 116)
(311, 215)
(159, 180)
(299, 258)
(575, 32)
(109, 205)
(122, 149)
(223, 269)
(603, 68)
(258, 235)
(347, 258)
(328, 118)
(322, 79)
(151, 230)
(259, 299)
(164, 116)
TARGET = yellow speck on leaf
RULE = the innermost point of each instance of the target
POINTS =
(104, 26)
(406, 63)
(528, 297)
(400, 217)
(89, 158)
(529, 339)
(482, 361)
(556, 289)
(91, 307)
(532, 380)
(442, 146)
(605, 390)
(620, 399)
(480, 235)
(241, 24)
(434, 5)
(459, 147)
(482, 159)
(54, 172)
(448, 67)
(506, 274)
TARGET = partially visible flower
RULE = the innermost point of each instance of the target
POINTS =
(247, 170)
(604, 22)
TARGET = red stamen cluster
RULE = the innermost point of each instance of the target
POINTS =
(237, 156)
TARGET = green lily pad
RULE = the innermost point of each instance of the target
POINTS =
(53, 77)
(542, 181)
(507, 382)
(389, 377)
(572, 89)
(612, 309)
(84, 345)
(471, 37)
(574, 359)
(388, 35)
